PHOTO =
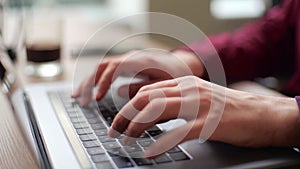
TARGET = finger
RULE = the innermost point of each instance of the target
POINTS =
(134, 106)
(76, 92)
(158, 85)
(100, 69)
(106, 80)
(157, 110)
(129, 91)
(86, 92)
(189, 131)
(95, 76)
(127, 113)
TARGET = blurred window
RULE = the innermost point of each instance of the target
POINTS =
(237, 9)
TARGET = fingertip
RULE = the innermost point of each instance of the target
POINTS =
(99, 95)
(149, 153)
(74, 95)
(113, 133)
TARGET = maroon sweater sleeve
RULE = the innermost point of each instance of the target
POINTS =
(254, 49)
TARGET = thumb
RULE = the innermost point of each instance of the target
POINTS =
(189, 131)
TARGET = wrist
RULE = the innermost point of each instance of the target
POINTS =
(288, 125)
(192, 61)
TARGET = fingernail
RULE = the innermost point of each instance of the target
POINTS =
(98, 96)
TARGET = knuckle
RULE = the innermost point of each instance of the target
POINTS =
(155, 105)
(114, 62)
(142, 98)
(171, 82)
(143, 88)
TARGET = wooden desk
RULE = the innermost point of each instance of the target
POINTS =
(14, 150)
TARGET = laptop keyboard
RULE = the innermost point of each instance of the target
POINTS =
(91, 124)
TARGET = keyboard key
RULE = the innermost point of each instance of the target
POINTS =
(139, 159)
(90, 115)
(108, 116)
(90, 144)
(138, 154)
(145, 142)
(122, 162)
(72, 110)
(98, 126)
(102, 105)
(104, 165)
(162, 159)
(117, 152)
(178, 156)
(94, 120)
(102, 132)
(99, 158)
(132, 148)
(120, 138)
(75, 115)
(155, 133)
(80, 125)
(95, 150)
(114, 109)
(84, 131)
(109, 120)
(111, 145)
(88, 137)
(154, 128)
(87, 110)
(142, 161)
(174, 150)
(104, 139)
(77, 120)
(144, 135)
(102, 108)
(68, 104)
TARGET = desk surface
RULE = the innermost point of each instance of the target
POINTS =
(14, 150)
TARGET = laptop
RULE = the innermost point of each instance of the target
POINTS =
(62, 134)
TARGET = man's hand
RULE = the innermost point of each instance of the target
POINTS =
(156, 65)
(247, 120)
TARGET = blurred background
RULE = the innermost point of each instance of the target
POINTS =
(211, 16)
(82, 18)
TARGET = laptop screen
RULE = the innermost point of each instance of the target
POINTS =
(2, 72)
(9, 77)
